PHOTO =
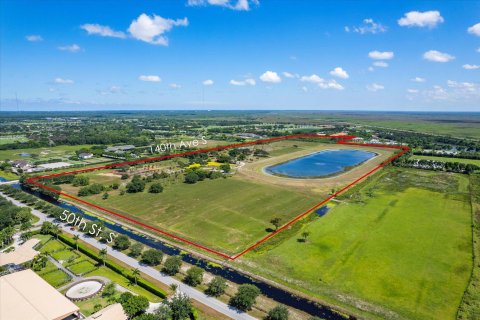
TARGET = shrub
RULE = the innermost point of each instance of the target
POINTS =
(194, 276)
(216, 287)
(136, 185)
(172, 265)
(278, 313)
(156, 188)
(191, 178)
(81, 180)
(133, 305)
(136, 249)
(245, 297)
(152, 257)
(121, 242)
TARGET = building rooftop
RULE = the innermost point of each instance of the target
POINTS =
(25, 295)
(22, 254)
(112, 312)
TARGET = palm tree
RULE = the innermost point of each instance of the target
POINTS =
(103, 255)
(75, 238)
(56, 230)
(135, 274)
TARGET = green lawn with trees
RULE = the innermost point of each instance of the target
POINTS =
(226, 214)
(399, 244)
(447, 159)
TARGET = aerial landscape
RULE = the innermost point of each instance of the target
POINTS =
(239, 159)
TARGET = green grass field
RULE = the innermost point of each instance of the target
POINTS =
(12, 139)
(56, 278)
(52, 246)
(227, 214)
(64, 255)
(446, 159)
(50, 152)
(401, 246)
(81, 267)
(124, 282)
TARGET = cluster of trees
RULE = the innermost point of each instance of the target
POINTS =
(425, 141)
(439, 165)
(138, 184)
(460, 155)
(194, 175)
(94, 188)
(45, 191)
(12, 217)
(81, 180)
(178, 307)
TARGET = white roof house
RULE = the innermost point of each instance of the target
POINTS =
(25, 295)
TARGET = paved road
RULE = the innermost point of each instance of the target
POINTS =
(61, 267)
(181, 287)
(9, 182)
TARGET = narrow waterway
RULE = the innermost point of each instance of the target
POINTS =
(235, 276)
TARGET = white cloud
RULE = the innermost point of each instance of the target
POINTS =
(248, 81)
(380, 64)
(339, 72)
(313, 79)
(71, 48)
(368, 26)
(478, 50)
(240, 5)
(468, 86)
(378, 55)
(437, 56)
(412, 90)
(437, 93)
(375, 87)
(152, 29)
(104, 31)
(288, 74)
(331, 84)
(322, 83)
(421, 19)
(470, 66)
(175, 86)
(454, 91)
(207, 82)
(111, 90)
(63, 81)
(270, 76)
(150, 78)
(34, 38)
(304, 89)
(418, 79)
(475, 29)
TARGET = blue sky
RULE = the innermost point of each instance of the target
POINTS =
(240, 54)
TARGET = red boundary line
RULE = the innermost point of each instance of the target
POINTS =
(340, 140)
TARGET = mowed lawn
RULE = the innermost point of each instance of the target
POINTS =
(225, 214)
(405, 252)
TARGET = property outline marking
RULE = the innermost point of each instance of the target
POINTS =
(339, 140)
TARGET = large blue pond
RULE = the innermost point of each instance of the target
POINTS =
(320, 164)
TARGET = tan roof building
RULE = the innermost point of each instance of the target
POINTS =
(112, 312)
(22, 254)
(25, 295)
